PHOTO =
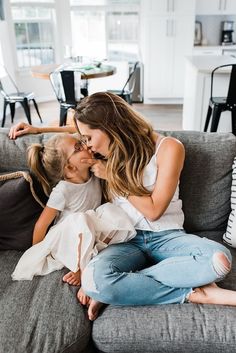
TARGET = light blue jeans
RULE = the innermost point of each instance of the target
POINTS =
(177, 263)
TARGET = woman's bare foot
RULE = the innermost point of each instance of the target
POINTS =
(82, 297)
(93, 309)
(212, 294)
(73, 278)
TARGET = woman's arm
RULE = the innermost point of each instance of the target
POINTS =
(23, 129)
(42, 224)
(170, 162)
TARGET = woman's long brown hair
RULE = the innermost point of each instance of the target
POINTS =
(131, 141)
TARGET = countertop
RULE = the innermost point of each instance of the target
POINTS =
(215, 47)
(207, 63)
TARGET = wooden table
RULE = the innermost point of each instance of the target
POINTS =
(87, 71)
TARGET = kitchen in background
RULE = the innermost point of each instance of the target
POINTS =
(215, 28)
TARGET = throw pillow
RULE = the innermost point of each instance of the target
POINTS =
(230, 235)
(21, 202)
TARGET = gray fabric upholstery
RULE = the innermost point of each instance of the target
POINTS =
(13, 152)
(206, 179)
(39, 316)
(176, 328)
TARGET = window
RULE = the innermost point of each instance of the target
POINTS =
(88, 33)
(123, 35)
(105, 29)
(33, 26)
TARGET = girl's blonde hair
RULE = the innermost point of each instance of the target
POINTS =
(131, 141)
(48, 161)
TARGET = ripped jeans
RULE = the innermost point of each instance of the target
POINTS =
(177, 263)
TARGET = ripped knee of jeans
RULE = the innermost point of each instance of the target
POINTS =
(88, 282)
(221, 264)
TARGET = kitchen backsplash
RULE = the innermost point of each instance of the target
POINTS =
(212, 28)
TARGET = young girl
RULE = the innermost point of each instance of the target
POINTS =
(80, 232)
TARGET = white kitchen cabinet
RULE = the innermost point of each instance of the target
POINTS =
(166, 40)
(215, 7)
(159, 56)
(167, 7)
(230, 6)
(183, 44)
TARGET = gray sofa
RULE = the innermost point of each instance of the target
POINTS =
(43, 315)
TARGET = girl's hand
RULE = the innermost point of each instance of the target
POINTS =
(98, 167)
(22, 129)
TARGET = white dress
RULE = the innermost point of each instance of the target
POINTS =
(81, 231)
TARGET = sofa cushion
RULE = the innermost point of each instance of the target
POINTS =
(206, 179)
(13, 152)
(42, 315)
(21, 203)
(172, 328)
(230, 234)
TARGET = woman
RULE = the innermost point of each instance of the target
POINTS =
(141, 171)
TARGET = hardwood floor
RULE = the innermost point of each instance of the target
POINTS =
(162, 117)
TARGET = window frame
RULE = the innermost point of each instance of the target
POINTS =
(12, 22)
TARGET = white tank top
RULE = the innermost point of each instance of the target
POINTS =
(173, 217)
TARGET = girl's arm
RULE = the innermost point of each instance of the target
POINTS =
(23, 129)
(42, 224)
(170, 162)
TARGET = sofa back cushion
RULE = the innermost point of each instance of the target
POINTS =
(13, 152)
(205, 184)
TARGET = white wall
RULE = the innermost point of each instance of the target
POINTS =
(5, 54)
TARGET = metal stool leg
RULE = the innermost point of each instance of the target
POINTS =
(12, 109)
(233, 117)
(4, 112)
(63, 116)
(209, 111)
(215, 118)
(37, 109)
(26, 108)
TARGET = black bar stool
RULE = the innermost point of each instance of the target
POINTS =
(217, 105)
(7, 84)
(67, 87)
(126, 93)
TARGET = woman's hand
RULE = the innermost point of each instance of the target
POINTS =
(22, 129)
(98, 167)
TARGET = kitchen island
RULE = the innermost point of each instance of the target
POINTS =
(197, 90)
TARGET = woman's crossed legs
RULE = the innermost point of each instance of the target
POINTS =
(119, 274)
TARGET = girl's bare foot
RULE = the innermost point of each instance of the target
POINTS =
(212, 294)
(72, 278)
(93, 309)
(82, 297)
